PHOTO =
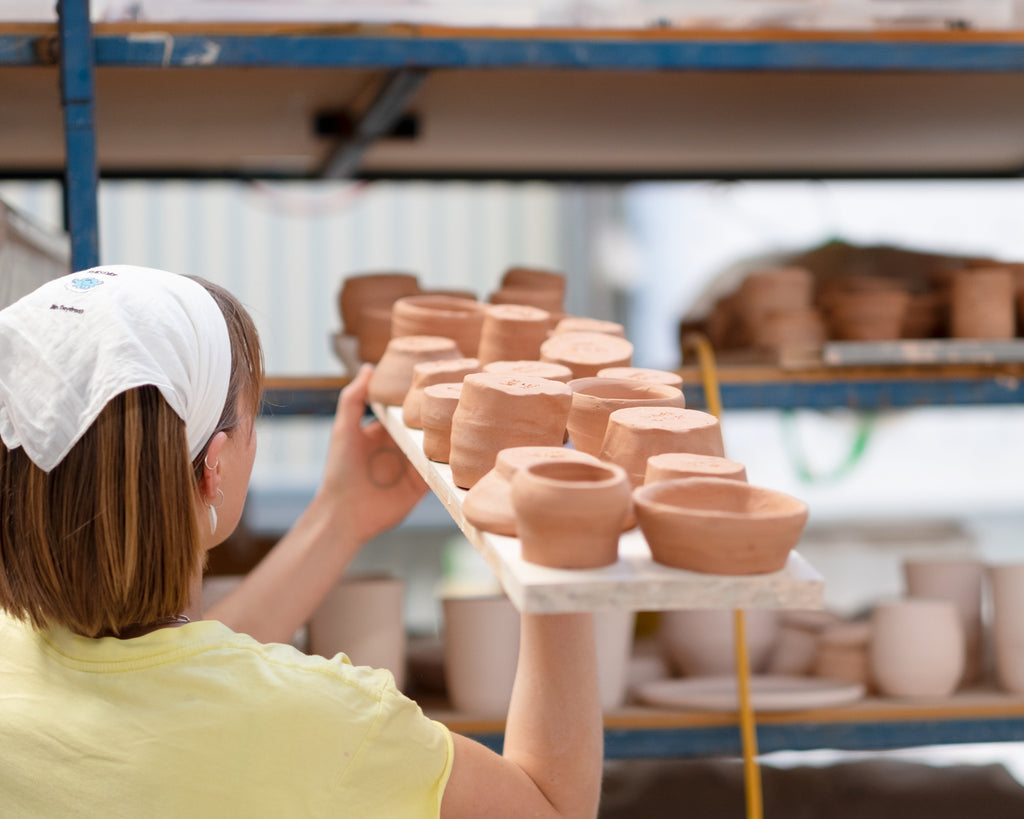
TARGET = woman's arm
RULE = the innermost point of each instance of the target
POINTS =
(554, 741)
(367, 488)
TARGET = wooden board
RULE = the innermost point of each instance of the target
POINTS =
(635, 582)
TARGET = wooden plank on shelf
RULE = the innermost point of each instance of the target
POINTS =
(922, 352)
(635, 582)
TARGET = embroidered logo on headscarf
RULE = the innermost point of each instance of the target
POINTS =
(83, 284)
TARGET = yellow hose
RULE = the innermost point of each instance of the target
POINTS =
(748, 728)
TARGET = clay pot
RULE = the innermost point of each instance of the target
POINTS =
(796, 648)
(374, 332)
(868, 315)
(587, 353)
(719, 526)
(917, 648)
(540, 369)
(643, 374)
(512, 332)
(666, 466)
(634, 434)
(460, 319)
(569, 514)
(766, 292)
(437, 407)
(499, 411)
(550, 301)
(791, 328)
(480, 636)
(488, 504)
(392, 377)
(842, 653)
(702, 642)
(595, 398)
(1007, 583)
(960, 582)
(372, 290)
(363, 617)
(428, 373)
(982, 304)
(582, 324)
(533, 278)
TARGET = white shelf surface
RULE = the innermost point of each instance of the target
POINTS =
(634, 582)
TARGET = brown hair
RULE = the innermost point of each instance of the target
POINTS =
(109, 539)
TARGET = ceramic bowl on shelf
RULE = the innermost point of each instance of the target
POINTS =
(718, 525)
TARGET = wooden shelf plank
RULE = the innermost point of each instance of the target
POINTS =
(635, 582)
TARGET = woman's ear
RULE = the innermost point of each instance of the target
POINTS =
(210, 482)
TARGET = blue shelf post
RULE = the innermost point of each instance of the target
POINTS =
(77, 99)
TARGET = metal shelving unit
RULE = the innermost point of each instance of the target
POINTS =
(133, 100)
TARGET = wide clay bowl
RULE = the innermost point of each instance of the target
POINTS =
(718, 525)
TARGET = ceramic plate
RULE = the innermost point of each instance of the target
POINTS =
(767, 693)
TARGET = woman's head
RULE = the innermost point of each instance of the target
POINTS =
(98, 525)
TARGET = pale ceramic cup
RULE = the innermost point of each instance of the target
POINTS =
(701, 642)
(960, 581)
(796, 648)
(917, 648)
(364, 618)
(1007, 584)
(480, 635)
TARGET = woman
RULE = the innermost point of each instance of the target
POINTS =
(127, 404)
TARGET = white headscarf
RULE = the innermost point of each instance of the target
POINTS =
(72, 345)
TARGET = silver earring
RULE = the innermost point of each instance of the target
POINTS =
(212, 510)
(215, 464)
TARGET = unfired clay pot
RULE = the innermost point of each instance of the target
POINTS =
(634, 434)
(583, 324)
(499, 411)
(643, 374)
(668, 465)
(540, 369)
(842, 653)
(595, 398)
(428, 373)
(440, 315)
(719, 526)
(372, 290)
(488, 504)
(374, 332)
(392, 377)
(512, 332)
(569, 514)
(437, 407)
(587, 353)
(983, 304)
(917, 648)
(701, 642)
(533, 278)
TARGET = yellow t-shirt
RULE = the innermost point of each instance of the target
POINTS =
(199, 721)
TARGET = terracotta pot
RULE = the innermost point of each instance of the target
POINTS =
(374, 332)
(550, 301)
(432, 314)
(796, 648)
(1007, 582)
(428, 373)
(587, 353)
(791, 328)
(666, 466)
(960, 582)
(582, 324)
(634, 434)
(499, 411)
(719, 526)
(643, 374)
(534, 278)
(392, 377)
(488, 504)
(868, 315)
(775, 290)
(569, 514)
(480, 635)
(437, 407)
(842, 653)
(702, 642)
(982, 304)
(540, 369)
(512, 332)
(595, 398)
(363, 617)
(917, 648)
(372, 290)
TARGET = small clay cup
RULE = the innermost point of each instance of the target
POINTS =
(372, 289)
(488, 504)
(843, 653)
(587, 353)
(569, 514)
(540, 369)
(634, 434)
(666, 466)
(983, 304)
(374, 332)
(643, 374)
(457, 318)
(437, 407)
(582, 324)
(917, 648)
(392, 377)
(719, 526)
(428, 373)
(533, 278)
(595, 398)
(499, 411)
(796, 648)
(512, 332)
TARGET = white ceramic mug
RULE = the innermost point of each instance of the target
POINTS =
(917, 648)
(363, 617)
(1007, 582)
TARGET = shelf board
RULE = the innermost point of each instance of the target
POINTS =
(635, 582)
